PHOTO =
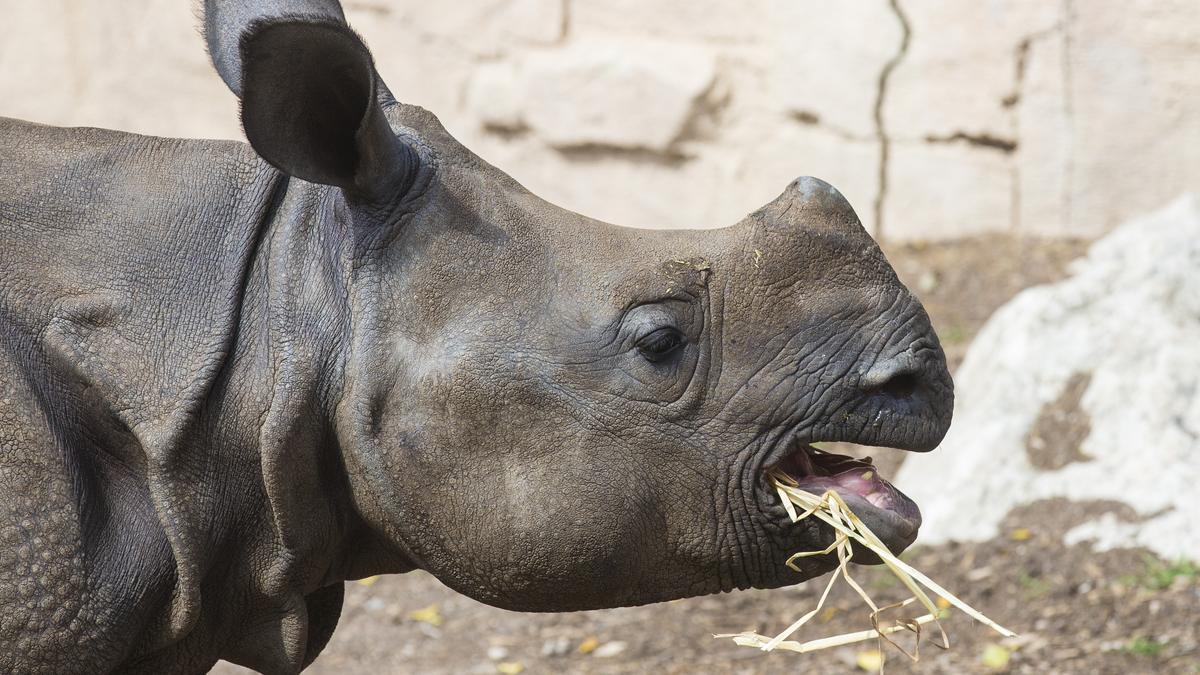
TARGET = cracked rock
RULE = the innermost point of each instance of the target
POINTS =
(960, 66)
(817, 73)
(1043, 125)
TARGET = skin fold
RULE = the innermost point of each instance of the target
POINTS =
(233, 376)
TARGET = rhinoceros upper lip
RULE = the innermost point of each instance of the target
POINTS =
(891, 514)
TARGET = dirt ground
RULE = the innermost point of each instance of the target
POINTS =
(1077, 611)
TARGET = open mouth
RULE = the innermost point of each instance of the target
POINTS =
(889, 513)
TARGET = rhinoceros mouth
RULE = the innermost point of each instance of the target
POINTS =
(890, 514)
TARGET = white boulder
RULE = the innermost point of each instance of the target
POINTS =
(1127, 323)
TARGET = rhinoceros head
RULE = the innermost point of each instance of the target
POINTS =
(549, 412)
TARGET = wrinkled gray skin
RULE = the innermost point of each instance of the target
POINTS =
(227, 384)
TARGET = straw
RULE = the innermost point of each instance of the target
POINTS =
(831, 509)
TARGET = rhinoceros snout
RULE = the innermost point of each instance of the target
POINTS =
(912, 386)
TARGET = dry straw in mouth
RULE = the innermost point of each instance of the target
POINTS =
(830, 508)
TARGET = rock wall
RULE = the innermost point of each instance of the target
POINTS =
(937, 119)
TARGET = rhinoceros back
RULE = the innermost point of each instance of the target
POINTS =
(125, 254)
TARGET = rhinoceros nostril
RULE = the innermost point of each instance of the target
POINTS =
(897, 378)
(901, 385)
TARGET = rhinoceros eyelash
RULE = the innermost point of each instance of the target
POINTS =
(660, 344)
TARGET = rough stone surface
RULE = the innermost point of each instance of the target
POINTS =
(1134, 101)
(485, 28)
(687, 20)
(137, 66)
(812, 68)
(1129, 318)
(1049, 118)
(496, 96)
(961, 66)
(923, 191)
(1042, 123)
(631, 94)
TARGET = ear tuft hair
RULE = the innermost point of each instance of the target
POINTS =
(225, 22)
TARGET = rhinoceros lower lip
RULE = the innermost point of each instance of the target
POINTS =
(890, 514)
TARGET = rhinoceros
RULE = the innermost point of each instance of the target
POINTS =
(233, 376)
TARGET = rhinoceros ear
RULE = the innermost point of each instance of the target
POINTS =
(225, 21)
(310, 106)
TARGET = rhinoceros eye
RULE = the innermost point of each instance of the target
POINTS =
(661, 344)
